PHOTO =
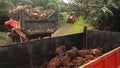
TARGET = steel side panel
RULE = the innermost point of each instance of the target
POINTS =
(109, 60)
(98, 63)
(87, 66)
(118, 58)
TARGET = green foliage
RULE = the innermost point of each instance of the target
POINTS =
(63, 16)
(3, 38)
(51, 6)
(95, 11)
(4, 8)
(8, 5)
(3, 35)
(79, 25)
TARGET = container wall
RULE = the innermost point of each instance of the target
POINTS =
(44, 50)
(38, 26)
(32, 54)
(106, 40)
(118, 58)
(109, 60)
(14, 56)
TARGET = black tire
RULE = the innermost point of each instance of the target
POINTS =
(15, 37)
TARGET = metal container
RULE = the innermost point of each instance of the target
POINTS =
(32, 54)
(32, 26)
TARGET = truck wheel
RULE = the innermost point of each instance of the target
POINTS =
(15, 37)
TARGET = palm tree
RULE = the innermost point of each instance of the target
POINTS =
(102, 12)
(96, 11)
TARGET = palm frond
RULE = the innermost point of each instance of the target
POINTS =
(105, 10)
(51, 5)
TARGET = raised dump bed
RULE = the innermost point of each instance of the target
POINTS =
(33, 53)
(32, 26)
(31, 23)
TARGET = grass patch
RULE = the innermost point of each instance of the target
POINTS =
(3, 38)
(79, 25)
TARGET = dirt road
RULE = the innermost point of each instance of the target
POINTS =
(62, 30)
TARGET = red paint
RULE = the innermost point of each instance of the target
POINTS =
(108, 60)
(13, 23)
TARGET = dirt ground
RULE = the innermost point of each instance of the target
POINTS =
(62, 30)
(3, 38)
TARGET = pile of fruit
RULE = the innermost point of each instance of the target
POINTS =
(72, 58)
(32, 12)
